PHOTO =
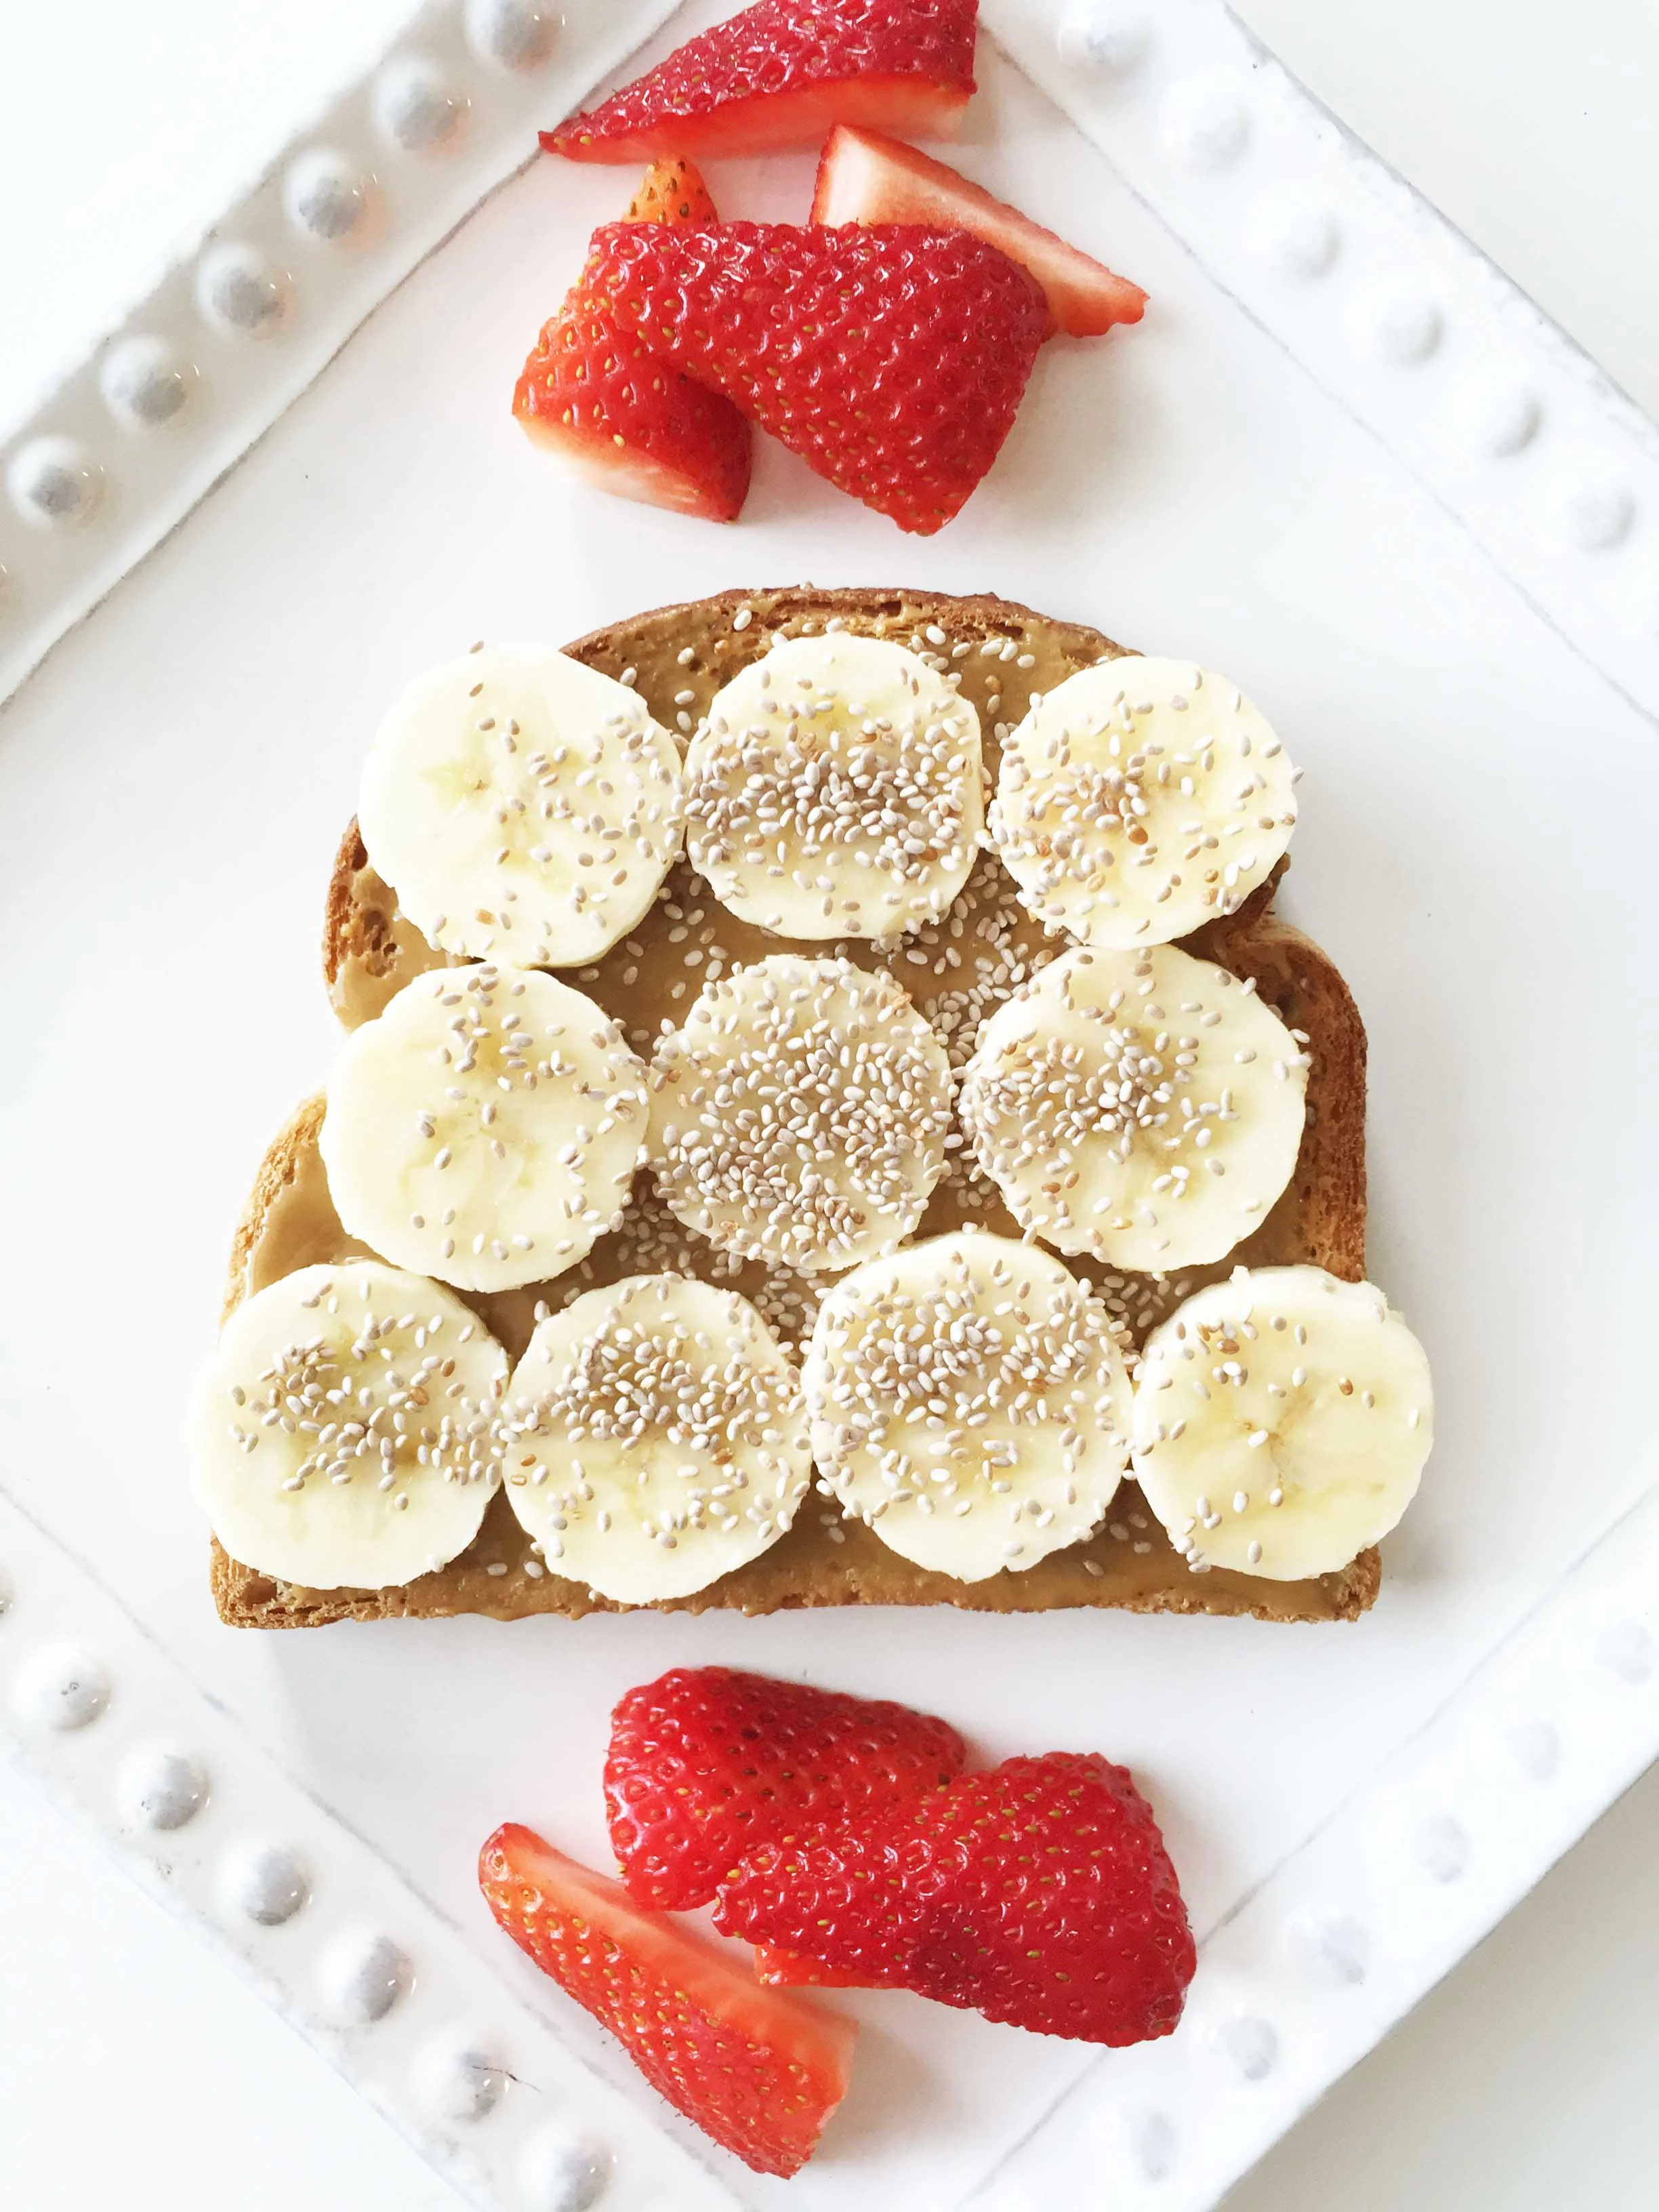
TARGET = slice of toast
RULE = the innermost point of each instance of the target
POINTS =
(678, 657)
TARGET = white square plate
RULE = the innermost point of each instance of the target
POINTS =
(1342, 460)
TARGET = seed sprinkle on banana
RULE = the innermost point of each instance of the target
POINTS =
(800, 1115)
(836, 789)
(968, 1377)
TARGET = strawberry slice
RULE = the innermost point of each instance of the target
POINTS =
(892, 358)
(1039, 1894)
(865, 178)
(788, 1970)
(707, 1762)
(619, 416)
(759, 2072)
(781, 73)
(672, 191)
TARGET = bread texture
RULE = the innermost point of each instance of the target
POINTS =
(1004, 652)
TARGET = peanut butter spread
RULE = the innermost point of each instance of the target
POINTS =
(955, 971)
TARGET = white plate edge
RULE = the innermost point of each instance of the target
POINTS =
(230, 334)
(1511, 426)
(421, 2014)
(1358, 1922)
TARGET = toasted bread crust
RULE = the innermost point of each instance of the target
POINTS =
(369, 950)
(1298, 978)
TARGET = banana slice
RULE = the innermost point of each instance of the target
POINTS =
(970, 1401)
(1281, 1421)
(1139, 799)
(835, 790)
(800, 1115)
(1146, 1107)
(485, 1128)
(657, 1438)
(347, 1433)
(522, 805)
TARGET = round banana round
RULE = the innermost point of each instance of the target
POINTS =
(1139, 798)
(970, 1401)
(347, 1434)
(836, 789)
(485, 1128)
(1144, 1108)
(657, 1438)
(1281, 1421)
(800, 1116)
(522, 805)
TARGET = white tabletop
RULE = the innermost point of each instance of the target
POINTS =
(136, 2066)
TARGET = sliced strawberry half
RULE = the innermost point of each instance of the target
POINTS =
(864, 177)
(892, 358)
(707, 1762)
(781, 74)
(1039, 1894)
(758, 2071)
(622, 418)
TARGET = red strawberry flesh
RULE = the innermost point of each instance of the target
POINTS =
(619, 416)
(629, 423)
(891, 357)
(707, 1763)
(1039, 1894)
(788, 1970)
(672, 191)
(864, 177)
(781, 74)
(758, 2071)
